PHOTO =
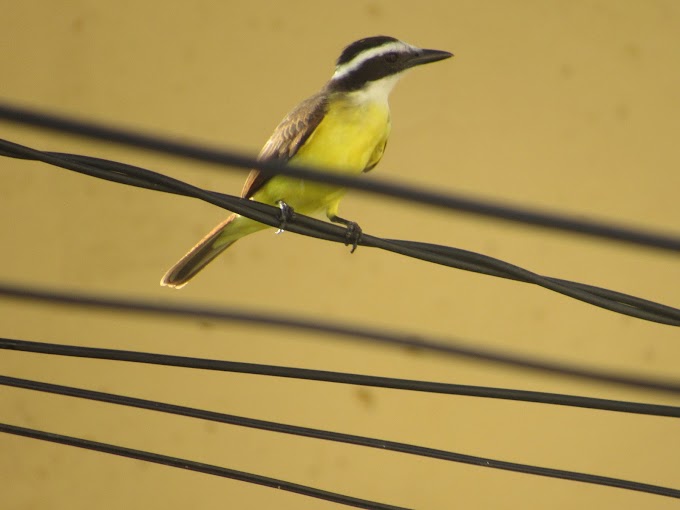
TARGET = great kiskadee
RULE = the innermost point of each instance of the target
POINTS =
(343, 128)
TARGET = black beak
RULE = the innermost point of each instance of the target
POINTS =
(427, 56)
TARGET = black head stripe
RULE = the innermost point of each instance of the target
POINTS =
(371, 70)
(361, 45)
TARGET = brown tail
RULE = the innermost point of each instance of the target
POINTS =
(199, 256)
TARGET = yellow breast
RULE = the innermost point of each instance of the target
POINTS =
(350, 138)
(347, 137)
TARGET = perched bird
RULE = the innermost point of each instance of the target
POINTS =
(343, 128)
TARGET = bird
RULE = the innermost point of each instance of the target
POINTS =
(343, 128)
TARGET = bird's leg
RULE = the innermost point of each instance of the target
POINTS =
(285, 215)
(354, 232)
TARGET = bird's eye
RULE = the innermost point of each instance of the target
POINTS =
(391, 57)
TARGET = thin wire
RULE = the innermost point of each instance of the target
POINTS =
(448, 347)
(96, 131)
(443, 255)
(337, 437)
(339, 377)
(196, 466)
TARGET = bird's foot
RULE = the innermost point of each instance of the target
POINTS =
(353, 235)
(286, 215)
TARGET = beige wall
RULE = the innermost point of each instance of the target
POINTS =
(568, 105)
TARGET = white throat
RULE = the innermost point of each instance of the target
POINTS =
(376, 91)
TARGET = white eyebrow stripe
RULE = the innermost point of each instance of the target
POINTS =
(353, 64)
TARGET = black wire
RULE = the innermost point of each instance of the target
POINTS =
(336, 436)
(196, 466)
(603, 298)
(447, 347)
(202, 153)
(135, 176)
(447, 256)
(339, 377)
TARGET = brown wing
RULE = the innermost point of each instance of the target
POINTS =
(287, 138)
